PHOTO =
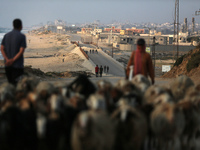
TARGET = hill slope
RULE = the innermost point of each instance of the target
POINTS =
(183, 66)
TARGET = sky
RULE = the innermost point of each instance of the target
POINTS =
(33, 12)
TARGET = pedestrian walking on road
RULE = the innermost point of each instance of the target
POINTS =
(104, 69)
(142, 62)
(101, 71)
(96, 70)
(107, 69)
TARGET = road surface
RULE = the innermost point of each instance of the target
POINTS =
(102, 59)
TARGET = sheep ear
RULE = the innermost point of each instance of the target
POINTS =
(123, 115)
(83, 120)
(41, 126)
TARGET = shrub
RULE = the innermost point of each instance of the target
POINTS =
(179, 61)
(194, 61)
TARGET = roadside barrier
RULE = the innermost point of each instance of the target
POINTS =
(77, 44)
(86, 56)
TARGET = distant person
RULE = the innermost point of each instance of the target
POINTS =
(96, 70)
(101, 71)
(107, 69)
(104, 69)
(90, 51)
(141, 60)
(12, 48)
(96, 51)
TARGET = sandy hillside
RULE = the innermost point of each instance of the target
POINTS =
(54, 53)
(181, 69)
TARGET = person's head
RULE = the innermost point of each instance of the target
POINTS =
(17, 24)
(141, 45)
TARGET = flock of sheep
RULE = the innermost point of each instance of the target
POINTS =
(131, 115)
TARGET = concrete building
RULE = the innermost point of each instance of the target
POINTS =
(122, 32)
(96, 31)
(113, 29)
(86, 30)
(135, 31)
(87, 39)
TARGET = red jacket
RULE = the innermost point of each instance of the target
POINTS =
(96, 69)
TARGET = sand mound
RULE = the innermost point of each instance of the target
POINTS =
(180, 67)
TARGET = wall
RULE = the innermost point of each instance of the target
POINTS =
(159, 48)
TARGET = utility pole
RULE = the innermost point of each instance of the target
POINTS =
(153, 52)
(176, 29)
(111, 42)
(148, 35)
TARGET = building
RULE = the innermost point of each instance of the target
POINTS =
(96, 31)
(136, 31)
(86, 30)
(87, 39)
(122, 32)
(59, 22)
(113, 29)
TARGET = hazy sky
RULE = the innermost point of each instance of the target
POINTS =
(81, 11)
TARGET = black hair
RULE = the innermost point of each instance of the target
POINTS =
(141, 42)
(17, 23)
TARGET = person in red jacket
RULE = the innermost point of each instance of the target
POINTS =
(96, 70)
(141, 60)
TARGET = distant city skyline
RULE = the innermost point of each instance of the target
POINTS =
(87, 11)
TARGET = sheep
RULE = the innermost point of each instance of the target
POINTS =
(81, 85)
(103, 84)
(141, 82)
(7, 92)
(190, 108)
(54, 125)
(179, 87)
(26, 85)
(128, 88)
(153, 92)
(62, 88)
(115, 94)
(163, 98)
(167, 123)
(96, 102)
(93, 130)
(11, 127)
(44, 90)
(28, 122)
(131, 127)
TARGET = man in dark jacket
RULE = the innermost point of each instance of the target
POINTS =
(101, 71)
(12, 48)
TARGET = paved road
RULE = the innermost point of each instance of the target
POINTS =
(74, 37)
(102, 58)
